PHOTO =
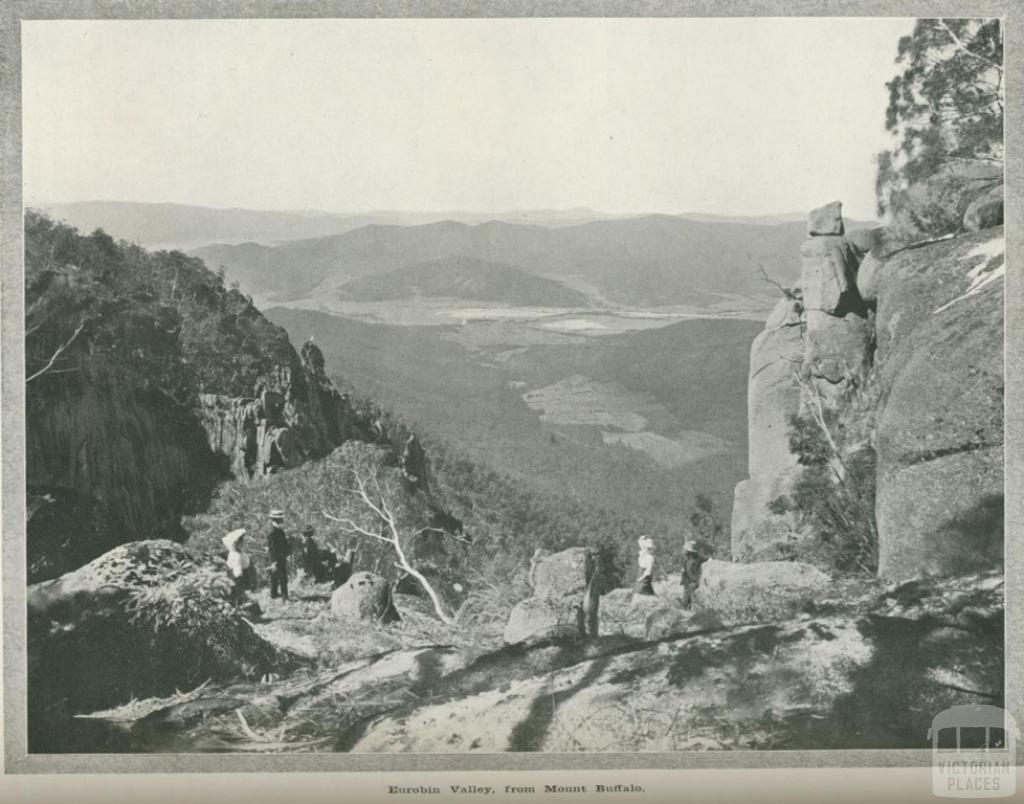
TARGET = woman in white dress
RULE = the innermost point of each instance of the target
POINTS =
(238, 560)
(644, 585)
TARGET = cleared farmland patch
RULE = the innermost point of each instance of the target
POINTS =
(582, 401)
(689, 446)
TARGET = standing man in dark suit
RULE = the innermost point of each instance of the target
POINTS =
(278, 549)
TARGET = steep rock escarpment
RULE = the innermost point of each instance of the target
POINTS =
(819, 338)
(143, 459)
(939, 438)
(295, 413)
(918, 333)
(119, 461)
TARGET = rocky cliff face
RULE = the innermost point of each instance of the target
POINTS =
(141, 460)
(915, 336)
(939, 437)
(294, 414)
(119, 462)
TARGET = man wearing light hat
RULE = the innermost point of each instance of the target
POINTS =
(278, 549)
(238, 561)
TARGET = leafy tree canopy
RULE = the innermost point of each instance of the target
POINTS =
(945, 109)
(138, 319)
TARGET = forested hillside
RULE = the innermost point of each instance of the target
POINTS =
(119, 345)
(690, 378)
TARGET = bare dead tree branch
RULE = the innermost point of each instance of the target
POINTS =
(56, 355)
(391, 535)
(787, 292)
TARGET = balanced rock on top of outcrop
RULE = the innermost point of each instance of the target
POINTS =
(826, 220)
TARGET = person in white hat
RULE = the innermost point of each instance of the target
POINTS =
(238, 560)
(645, 559)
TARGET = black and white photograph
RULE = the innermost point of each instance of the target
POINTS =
(476, 386)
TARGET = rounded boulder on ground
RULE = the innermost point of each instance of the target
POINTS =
(561, 574)
(541, 618)
(366, 597)
(759, 591)
(986, 211)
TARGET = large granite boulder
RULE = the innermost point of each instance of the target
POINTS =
(829, 274)
(939, 432)
(826, 220)
(562, 574)
(537, 619)
(565, 598)
(865, 240)
(365, 597)
(869, 276)
(986, 211)
(146, 618)
(761, 591)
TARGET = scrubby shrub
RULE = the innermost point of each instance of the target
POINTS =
(196, 611)
(835, 495)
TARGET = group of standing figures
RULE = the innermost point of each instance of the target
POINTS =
(694, 557)
(315, 563)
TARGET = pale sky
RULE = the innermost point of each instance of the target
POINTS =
(732, 116)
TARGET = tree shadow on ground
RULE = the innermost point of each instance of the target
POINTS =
(530, 733)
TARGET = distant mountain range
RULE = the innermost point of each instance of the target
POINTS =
(179, 226)
(463, 278)
(184, 227)
(649, 261)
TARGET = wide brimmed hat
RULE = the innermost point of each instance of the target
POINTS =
(690, 546)
(309, 530)
(232, 538)
(276, 513)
